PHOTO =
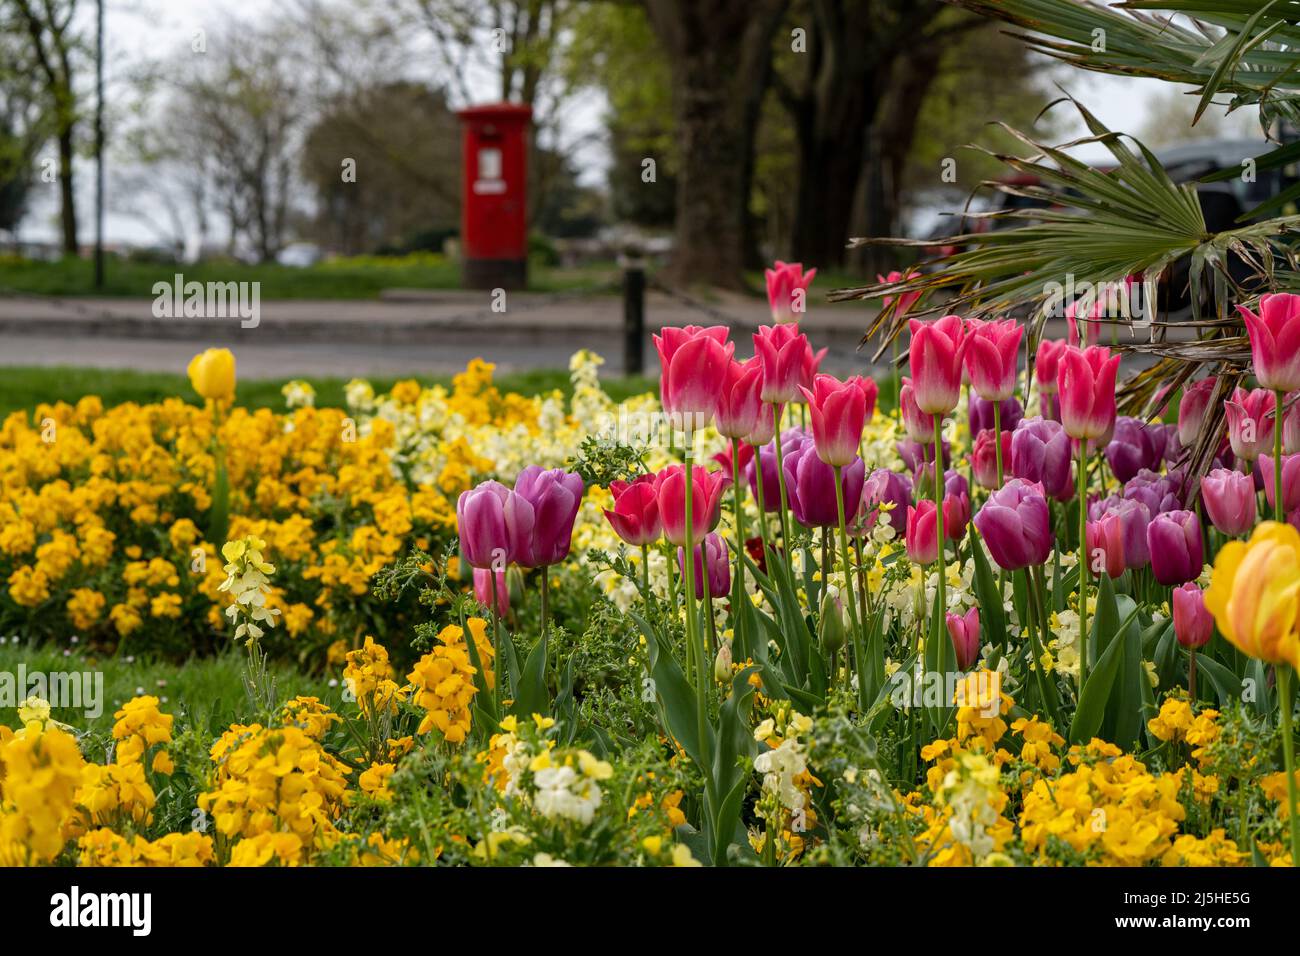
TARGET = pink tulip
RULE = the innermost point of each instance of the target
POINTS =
(1047, 361)
(808, 368)
(787, 290)
(554, 496)
(922, 533)
(936, 355)
(1193, 623)
(918, 425)
(716, 552)
(706, 502)
(694, 362)
(1117, 541)
(740, 404)
(905, 299)
(838, 414)
(993, 348)
(870, 392)
(780, 349)
(1192, 408)
(984, 462)
(1250, 422)
(1229, 498)
(964, 631)
(1086, 382)
(1275, 340)
(1291, 423)
(635, 517)
(1290, 480)
(483, 590)
(495, 525)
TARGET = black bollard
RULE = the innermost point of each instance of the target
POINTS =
(633, 316)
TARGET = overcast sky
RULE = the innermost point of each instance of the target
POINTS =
(143, 29)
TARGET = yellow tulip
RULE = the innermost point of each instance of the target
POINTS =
(1254, 594)
(212, 373)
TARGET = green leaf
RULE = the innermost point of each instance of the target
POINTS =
(531, 694)
(676, 698)
(1226, 684)
(1096, 691)
(992, 618)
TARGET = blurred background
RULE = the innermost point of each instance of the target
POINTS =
(316, 148)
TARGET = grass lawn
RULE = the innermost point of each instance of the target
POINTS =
(357, 278)
(208, 690)
(22, 388)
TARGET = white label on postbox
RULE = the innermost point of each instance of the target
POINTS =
(489, 181)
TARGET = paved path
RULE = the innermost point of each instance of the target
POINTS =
(402, 333)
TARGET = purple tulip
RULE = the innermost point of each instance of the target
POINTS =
(810, 487)
(1131, 449)
(719, 567)
(887, 487)
(1290, 480)
(981, 414)
(1040, 452)
(764, 463)
(554, 496)
(1159, 493)
(1162, 437)
(1229, 498)
(495, 525)
(1015, 523)
(1174, 540)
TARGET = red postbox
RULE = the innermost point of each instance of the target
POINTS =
(494, 209)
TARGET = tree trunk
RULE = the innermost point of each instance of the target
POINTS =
(67, 196)
(721, 55)
(855, 47)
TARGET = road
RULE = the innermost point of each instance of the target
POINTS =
(402, 333)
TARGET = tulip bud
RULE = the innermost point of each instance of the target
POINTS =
(722, 664)
(830, 628)
(1229, 498)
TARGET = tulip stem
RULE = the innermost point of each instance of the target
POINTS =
(496, 635)
(848, 583)
(939, 531)
(693, 640)
(997, 441)
(1288, 756)
(645, 574)
(778, 414)
(1191, 674)
(706, 584)
(1278, 511)
(740, 516)
(762, 508)
(1083, 562)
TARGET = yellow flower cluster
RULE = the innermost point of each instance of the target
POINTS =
(276, 791)
(40, 770)
(87, 488)
(443, 680)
